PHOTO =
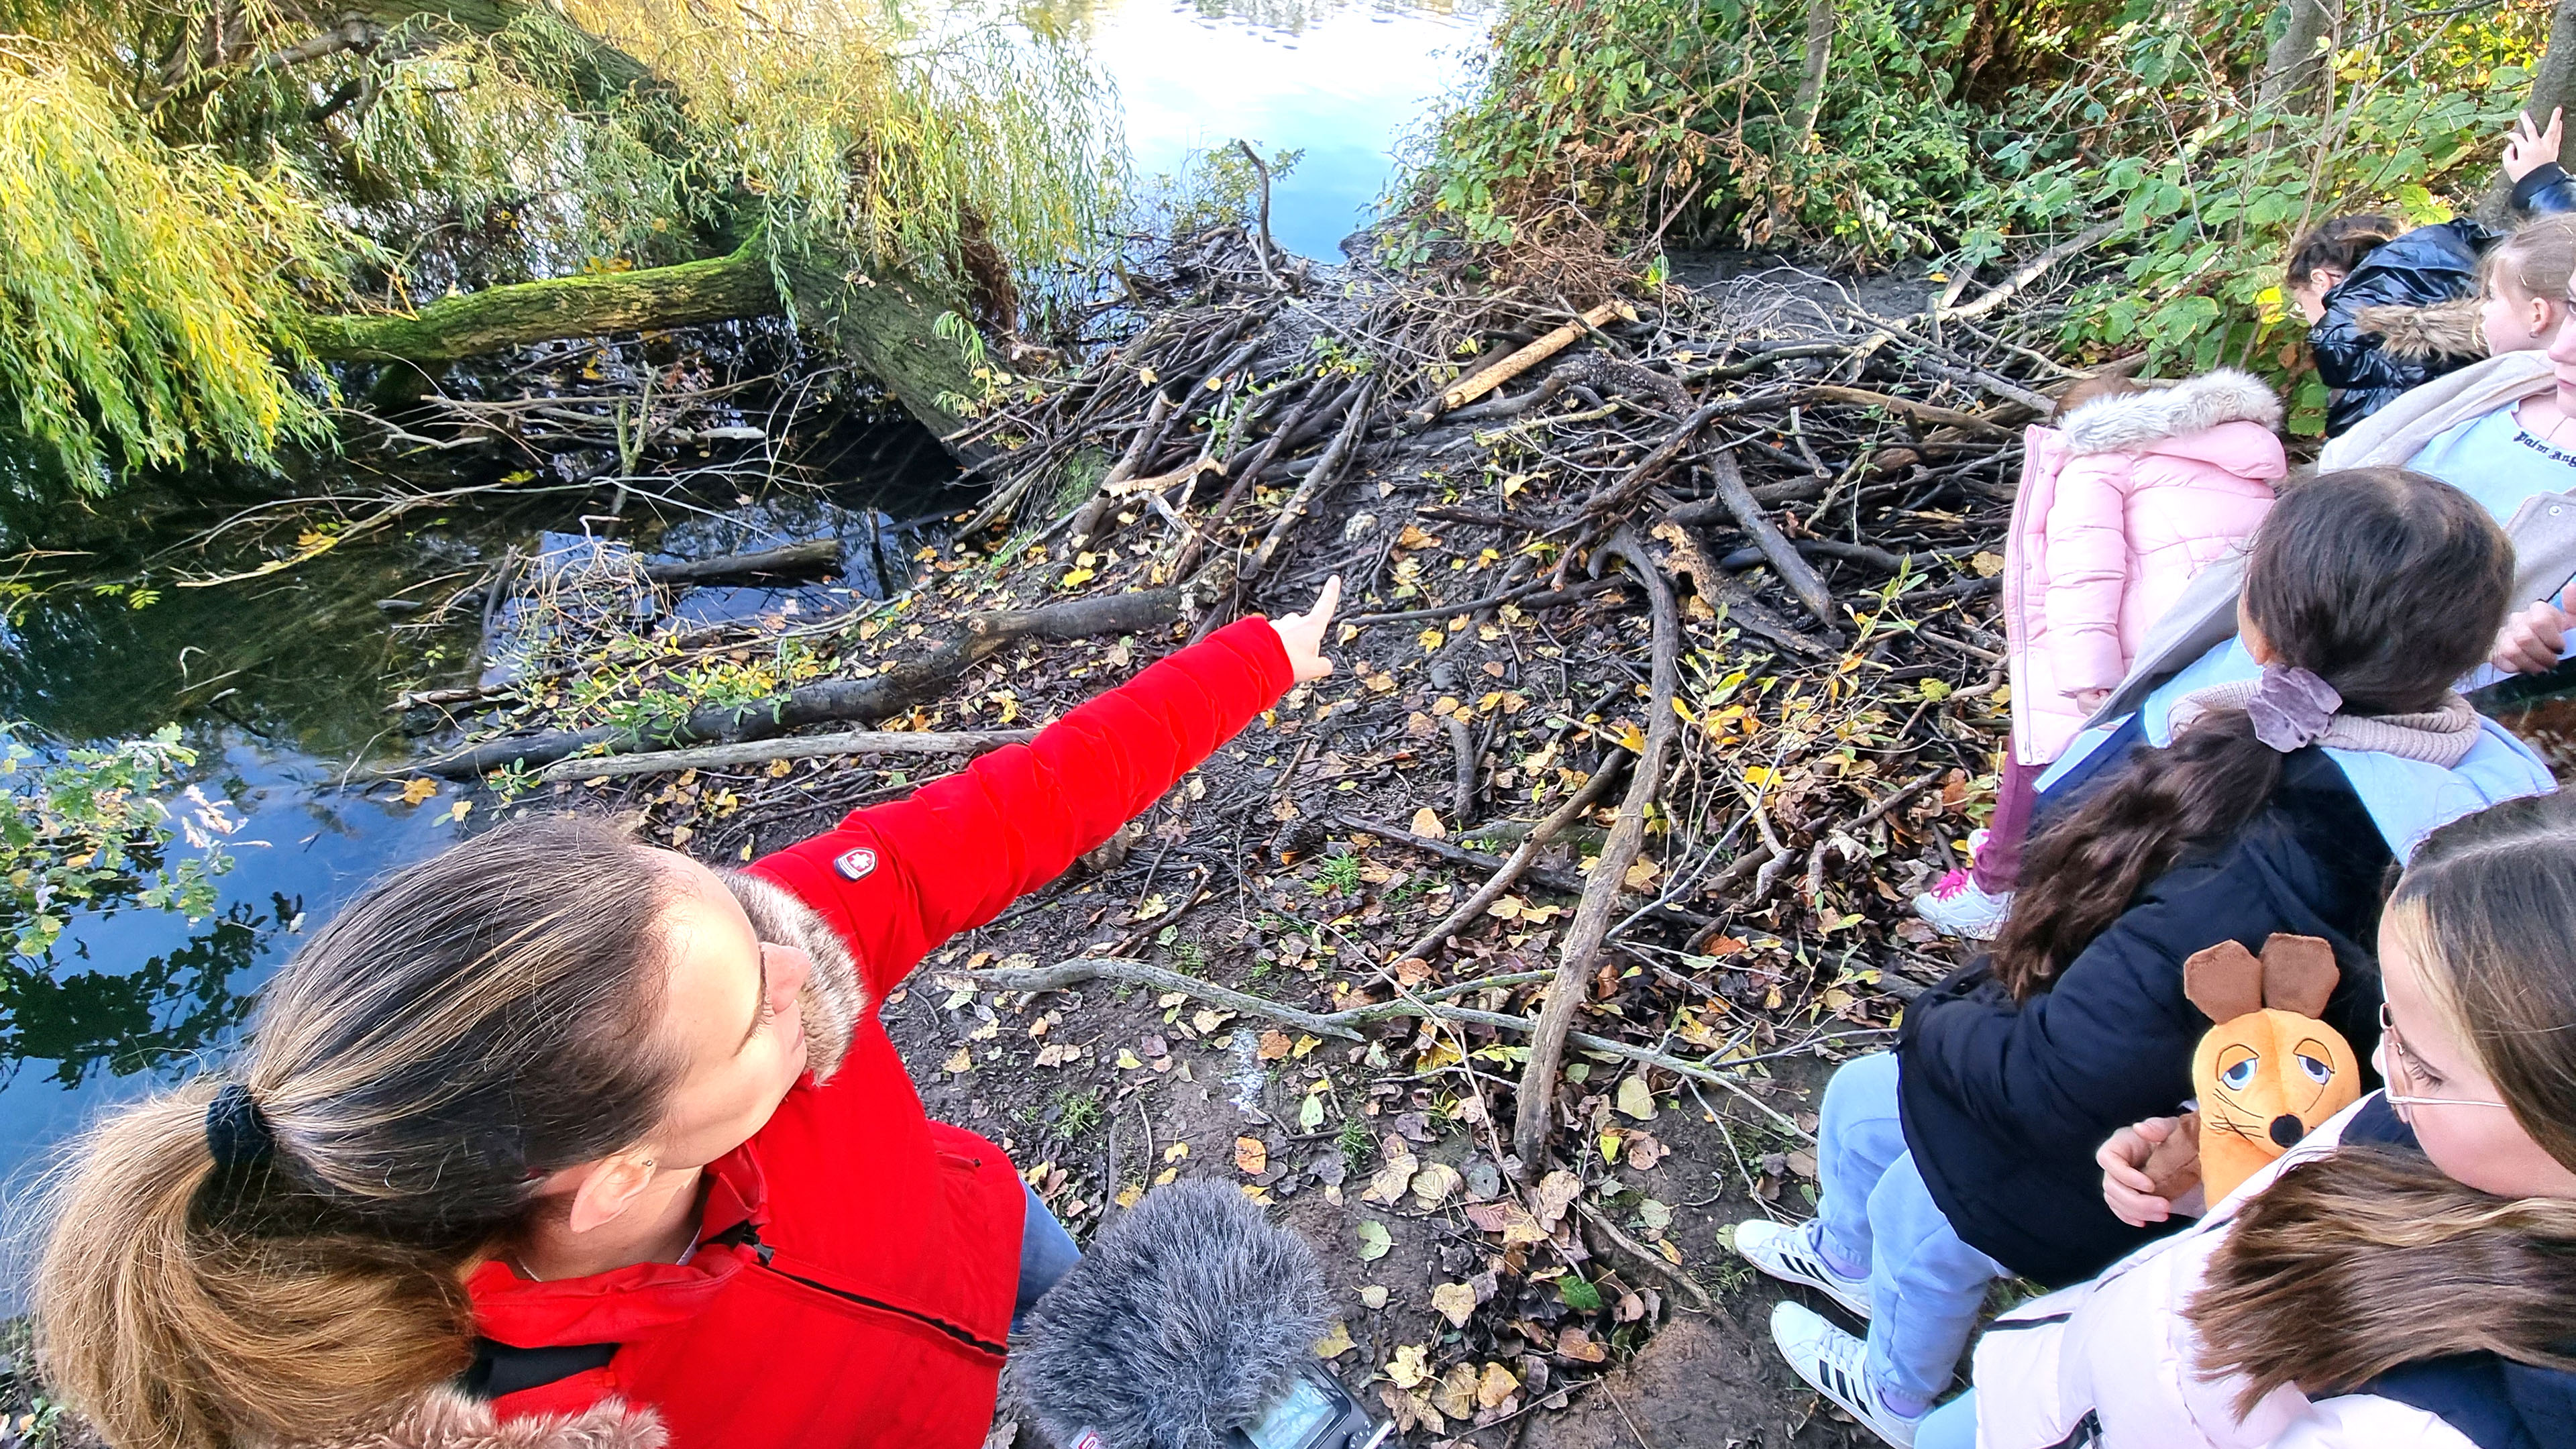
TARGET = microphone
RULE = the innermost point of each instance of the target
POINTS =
(1189, 1324)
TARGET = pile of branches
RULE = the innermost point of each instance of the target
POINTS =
(1679, 606)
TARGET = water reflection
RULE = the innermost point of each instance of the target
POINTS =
(1342, 81)
(172, 1006)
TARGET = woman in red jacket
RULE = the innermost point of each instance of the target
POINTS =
(579, 1136)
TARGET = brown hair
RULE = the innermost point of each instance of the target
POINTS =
(2094, 389)
(2361, 1260)
(460, 1029)
(2537, 260)
(2338, 245)
(2387, 584)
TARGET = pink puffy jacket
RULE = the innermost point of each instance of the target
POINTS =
(2114, 1363)
(2119, 506)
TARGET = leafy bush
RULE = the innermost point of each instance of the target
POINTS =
(1969, 128)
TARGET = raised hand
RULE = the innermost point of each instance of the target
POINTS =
(2527, 148)
(1303, 634)
(2533, 638)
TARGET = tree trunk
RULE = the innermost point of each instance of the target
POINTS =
(886, 322)
(497, 319)
(1811, 86)
(2295, 70)
(2553, 83)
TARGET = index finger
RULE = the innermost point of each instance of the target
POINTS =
(1327, 600)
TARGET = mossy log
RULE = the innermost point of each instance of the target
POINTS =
(883, 321)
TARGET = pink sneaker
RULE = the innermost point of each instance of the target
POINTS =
(1956, 907)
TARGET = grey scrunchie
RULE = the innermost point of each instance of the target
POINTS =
(2291, 707)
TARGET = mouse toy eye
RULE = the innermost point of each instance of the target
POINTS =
(2318, 1072)
(2237, 1077)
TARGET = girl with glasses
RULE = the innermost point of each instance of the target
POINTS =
(2407, 1275)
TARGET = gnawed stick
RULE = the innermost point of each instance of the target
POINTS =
(1536, 1114)
(803, 747)
(1327, 472)
(1644, 1254)
(1527, 357)
(1503, 879)
(1795, 571)
(1344, 1025)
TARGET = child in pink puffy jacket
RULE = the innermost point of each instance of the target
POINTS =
(2134, 490)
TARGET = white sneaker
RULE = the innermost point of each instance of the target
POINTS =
(1955, 907)
(1791, 1255)
(1837, 1364)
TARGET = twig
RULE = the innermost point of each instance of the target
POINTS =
(1511, 870)
(1519, 362)
(1327, 471)
(2082, 241)
(1644, 1254)
(803, 747)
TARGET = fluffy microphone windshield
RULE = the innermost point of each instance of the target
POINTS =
(1182, 1321)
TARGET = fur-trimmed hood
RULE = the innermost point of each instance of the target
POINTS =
(2436, 331)
(447, 1419)
(2194, 405)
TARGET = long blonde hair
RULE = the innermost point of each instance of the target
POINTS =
(2363, 1260)
(460, 1029)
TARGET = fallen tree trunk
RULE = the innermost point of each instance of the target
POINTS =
(884, 321)
(876, 697)
(497, 319)
(814, 556)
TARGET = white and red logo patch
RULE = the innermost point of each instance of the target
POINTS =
(855, 864)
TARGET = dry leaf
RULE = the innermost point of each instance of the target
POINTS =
(961, 1061)
(1274, 1045)
(1494, 1386)
(1409, 1366)
(415, 791)
(1644, 1151)
(1574, 1343)
(1556, 1192)
(1427, 825)
(1251, 1155)
(1436, 1183)
(1335, 1342)
(1987, 565)
(1392, 1180)
(1455, 1302)
(1636, 1099)
(1457, 1393)
(1373, 1296)
(1508, 1218)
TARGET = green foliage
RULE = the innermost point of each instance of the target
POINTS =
(147, 291)
(89, 831)
(1964, 127)
(168, 222)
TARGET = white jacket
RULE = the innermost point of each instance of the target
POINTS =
(2111, 1363)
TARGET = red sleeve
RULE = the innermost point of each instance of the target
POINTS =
(898, 879)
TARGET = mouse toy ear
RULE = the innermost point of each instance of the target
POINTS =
(2299, 974)
(2224, 981)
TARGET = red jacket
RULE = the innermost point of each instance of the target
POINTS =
(854, 1280)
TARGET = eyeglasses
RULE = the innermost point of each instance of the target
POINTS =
(2405, 1063)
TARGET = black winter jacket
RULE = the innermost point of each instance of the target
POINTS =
(2004, 1104)
(2426, 267)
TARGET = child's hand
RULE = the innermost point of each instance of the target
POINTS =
(2126, 1187)
(2528, 148)
(2089, 700)
(1303, 634)
(2533, 638)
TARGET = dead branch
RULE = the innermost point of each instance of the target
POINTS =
(1510, 871)
(1794, 571)
(1536, 1116)
(801, 747)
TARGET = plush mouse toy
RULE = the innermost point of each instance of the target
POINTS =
(2267, 1073)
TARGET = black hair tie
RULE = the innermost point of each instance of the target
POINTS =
(236, 1130)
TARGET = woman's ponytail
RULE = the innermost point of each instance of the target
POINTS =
(2385, 584)
(285, 1257)
(170, 1328)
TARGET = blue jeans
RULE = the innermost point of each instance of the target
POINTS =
(1047, 1253)
(1925, 1286)
(1952, 1426)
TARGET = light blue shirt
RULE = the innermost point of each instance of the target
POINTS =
(2491, 459)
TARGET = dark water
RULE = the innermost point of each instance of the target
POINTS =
(280, 683)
